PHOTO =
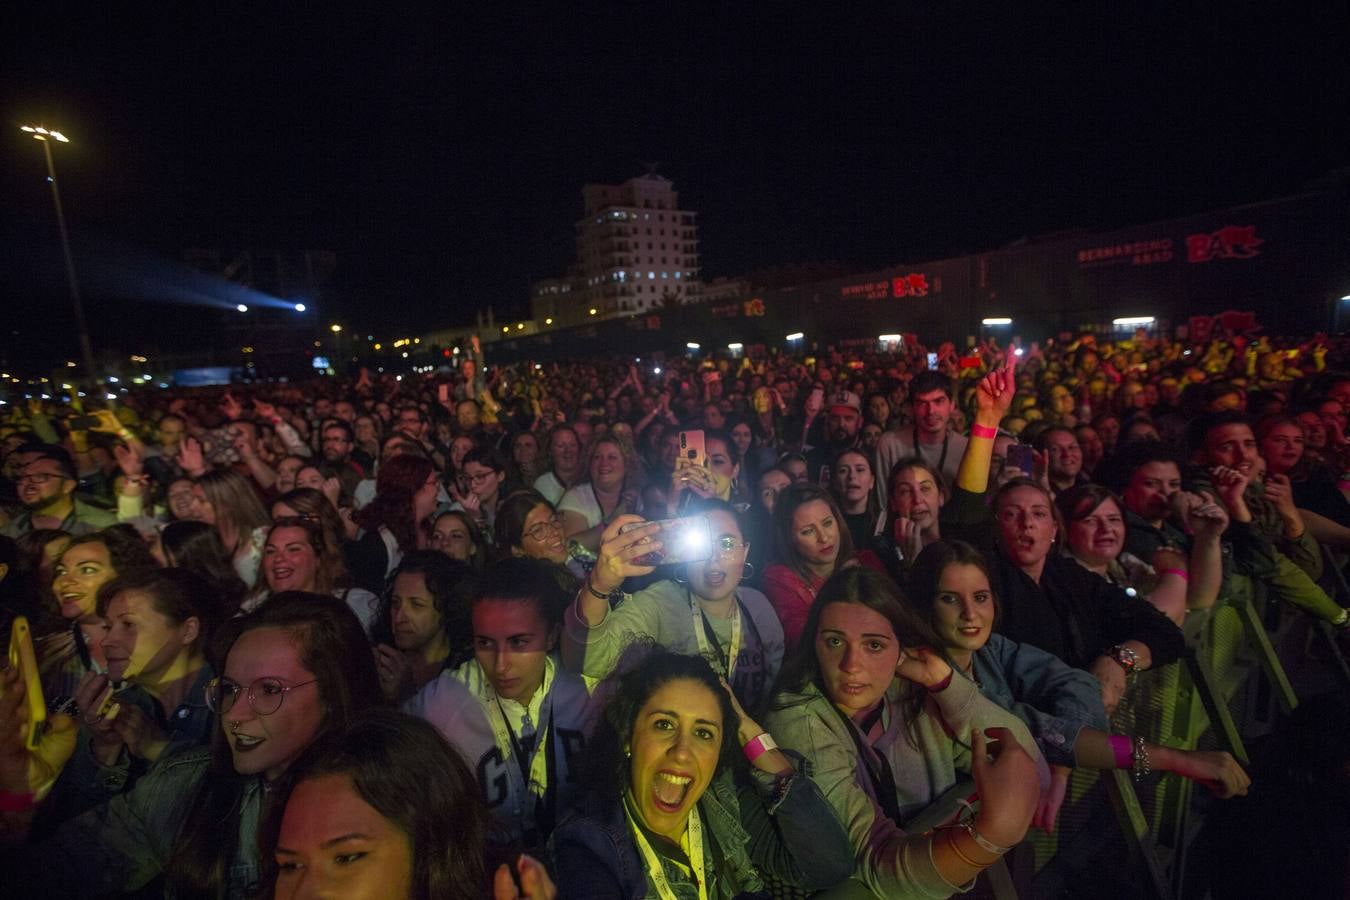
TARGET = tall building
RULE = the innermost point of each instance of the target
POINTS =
(636, 251)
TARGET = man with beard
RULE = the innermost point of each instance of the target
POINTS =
(843, 427)
(926, 435)
(46, 487)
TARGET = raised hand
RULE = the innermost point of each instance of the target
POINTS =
(995, 392)
(190, 456)
(923, 666)
(232, 408)
(615, 561)
(128, 460)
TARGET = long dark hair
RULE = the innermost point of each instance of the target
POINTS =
(196, 547)
(608, 766)
(334, 649)
(876, 591)
(448, 581)
(509, 527)
(932, 562)
(792, 498)
(402, 767)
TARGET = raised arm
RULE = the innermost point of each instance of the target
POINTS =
(993, 399)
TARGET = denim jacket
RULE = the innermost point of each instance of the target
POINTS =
(84, 783)
(126, 843)
(781, 828)
(1055, 700)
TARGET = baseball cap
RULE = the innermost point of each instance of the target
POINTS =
(846, 399)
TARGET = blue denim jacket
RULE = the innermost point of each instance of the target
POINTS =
(85, 784)
(1054, 699)
(791, 833)
(126, 843)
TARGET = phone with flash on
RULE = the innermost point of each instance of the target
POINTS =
(23, 658)
(683, 540)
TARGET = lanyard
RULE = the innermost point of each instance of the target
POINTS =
(883, 780)
(708, 646)
(655, 871)
(532, 774)
(918, 449)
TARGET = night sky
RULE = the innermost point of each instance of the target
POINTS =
(441, 156)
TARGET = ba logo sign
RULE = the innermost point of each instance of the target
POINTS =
(1229, 242)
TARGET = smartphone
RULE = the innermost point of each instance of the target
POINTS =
(932, 361)
(23, 658)
(443, 393)
(1019, 456)
(682, 540)
(692, 448)
(824, 479)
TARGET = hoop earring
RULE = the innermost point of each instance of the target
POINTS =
(748, 571)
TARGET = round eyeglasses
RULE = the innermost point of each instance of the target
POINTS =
(541, 530)
(264, 694)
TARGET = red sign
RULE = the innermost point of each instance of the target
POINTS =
(1137, 253)
(1229, 242)
(754, 307)
(915, 284)
(872, 290)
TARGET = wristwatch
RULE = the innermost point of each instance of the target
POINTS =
(1128, 659)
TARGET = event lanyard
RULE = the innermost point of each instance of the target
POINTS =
(708, 645)
(883, 781)
(655, 871)
(530, 773)
(918, 449)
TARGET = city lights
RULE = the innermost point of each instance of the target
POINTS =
(548, 321)
(1133, 320)
(692, 345)
(242, 307)
(795, 336)
(997, 320)
(594, 310)
(299, 307)
(889, 338)
(335, 328)
(736, 345)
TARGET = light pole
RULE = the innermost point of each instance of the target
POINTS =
(46, 137)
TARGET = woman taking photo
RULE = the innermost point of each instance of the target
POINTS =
(298, 557)
(293, 669)
(810, 544)
(384, 808)
(604, 494)
(705, 610)
(1062, 706)
(667, 816)
(395, 522)
(875, 707)
(519, 719)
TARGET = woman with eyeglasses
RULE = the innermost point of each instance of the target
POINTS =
(484, 471)
(293, 669)
(528, 526)
(703, 610)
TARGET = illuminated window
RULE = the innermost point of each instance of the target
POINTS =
(677, 275)
(665, 274)
(651, 275)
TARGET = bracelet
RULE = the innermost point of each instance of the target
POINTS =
(1120, 747)
(1143, 766)
(984, 843)
(16, 803)
(983, 431)
(596, 594)
(956, 848)
(1180, 573)
(758, 745)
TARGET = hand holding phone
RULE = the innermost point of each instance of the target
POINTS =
(682, 540)
(23, 659)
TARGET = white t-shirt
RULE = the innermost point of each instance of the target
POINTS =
(581, 500)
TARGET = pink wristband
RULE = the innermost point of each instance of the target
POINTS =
(758, 746)
(1123, 750)
(1180, 573)
(983, 431)
(15, 803)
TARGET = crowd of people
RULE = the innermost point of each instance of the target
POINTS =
(685, 627)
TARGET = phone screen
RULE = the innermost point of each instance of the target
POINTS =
(932, 361)
(682, 540)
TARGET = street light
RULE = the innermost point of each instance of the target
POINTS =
(46, 137)
(299, 307)
(242, 307)
(335, 328)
